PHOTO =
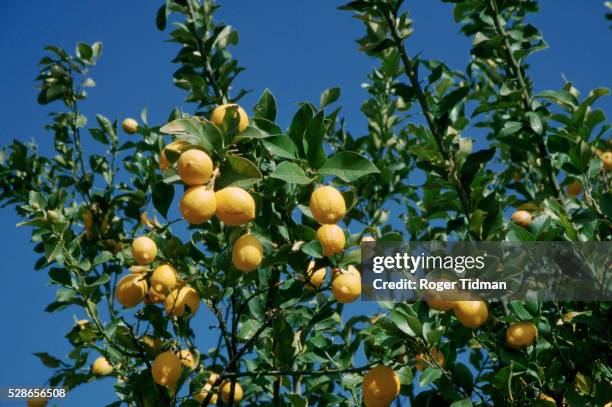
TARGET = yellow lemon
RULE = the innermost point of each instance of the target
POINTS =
(187, 358)
(471, 314)
(144, 250)
(37, 402)
(235, 206)
(434, 355)
(218, 116)
(247, 253)
(522, 218)
(164, 279)
(166, 369)
(315, 278)
(101, 367)
(194, 167)
(332, 239)
(130, 290)
(130, 126)
(441, 300)
(176, 146)
(546, 397)
(181, 297)
(226, 389)
(201, 395)
(381, 386)
(154, 297)
(346, 285)
(521, 334)
(198, 204)
(574, 189)
(327, 205)
(607, 160)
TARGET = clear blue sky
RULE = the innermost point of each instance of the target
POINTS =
(295, 48)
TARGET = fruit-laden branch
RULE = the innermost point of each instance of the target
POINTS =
(516, 69)
(390, 17)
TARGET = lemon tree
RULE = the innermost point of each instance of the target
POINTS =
(222, 213)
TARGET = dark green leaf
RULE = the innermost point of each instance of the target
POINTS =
(348, 166)
(291, 172)
(163, 194)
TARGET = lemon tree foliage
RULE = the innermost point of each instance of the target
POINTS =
(224, 212)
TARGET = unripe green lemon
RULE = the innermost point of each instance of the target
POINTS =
(194, 167)
(235, 206)
(247, 253)
(130, 290)
(144, 250)
(332, 239)
(198, 204)
(327, 205)
(218, 116)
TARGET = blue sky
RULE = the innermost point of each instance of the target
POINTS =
(295, 48)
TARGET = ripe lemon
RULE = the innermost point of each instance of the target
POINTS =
(154, 297)
(574, 189)
(380, 386)
(130, 126)
(439, 305)
(247, 253)
(164, 279)
(522, 218)
(327, 205)
(441, 300)
(201, 395)
(176, 146)
(130, 290)
(235, 206)
(212, 379)
(521, 334)
(471, 313)
(315, 278)
(198, 204)
(218, 116)
(607, 160)
(144, 250)
(37, 402)
(187, 358)
(225, 391)
(101, 367)
(434, 355)
(331, 238)
(166, 369)
(181, 297)
(195, 167)
(346, 285)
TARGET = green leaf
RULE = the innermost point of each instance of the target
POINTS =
(429, 376)
(239, 172)
(299, 123)
(281, 146)
(466, 402)
(329, 96)
(401, 322)
(163, 194)
(291, 172)
(102, 257)
(535, 122)
(313, 142)
(518, 233)
(313, 249)
(103, 279)
(348, 166)
(606, 204)
(452, 99)
(249, 133)
(48, 360)
(265, 107)
(160, 18)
